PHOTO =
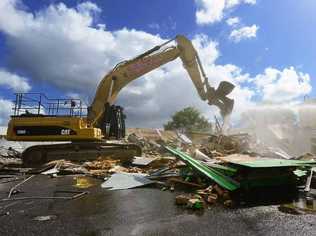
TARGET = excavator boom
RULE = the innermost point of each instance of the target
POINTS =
(104, 120)
(127, 71)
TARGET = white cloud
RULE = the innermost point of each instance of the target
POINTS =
(12, 19)
(13, 81)
(166, 90)
(233, 3)
(80, 55)
(211, 11)
(5, 111)
(70, 51)
(87, 8)
(284, 85)
(65, 48)
(233, 21)
(245, 32)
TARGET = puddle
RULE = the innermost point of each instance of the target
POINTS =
(84, 182)
(303, 205)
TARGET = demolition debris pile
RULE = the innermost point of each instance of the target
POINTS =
(216, 168)
(203, 171)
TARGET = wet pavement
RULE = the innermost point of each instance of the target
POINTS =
(144, 211)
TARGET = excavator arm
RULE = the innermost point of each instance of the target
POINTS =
(127, 71)
(105, 120)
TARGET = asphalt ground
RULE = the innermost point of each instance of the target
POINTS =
(142, 211)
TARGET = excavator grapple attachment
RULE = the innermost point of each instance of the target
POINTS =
(219, 97)
(224, 88)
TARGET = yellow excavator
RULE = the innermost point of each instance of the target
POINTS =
(89, 135)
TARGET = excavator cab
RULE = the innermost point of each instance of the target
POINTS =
(113, 122)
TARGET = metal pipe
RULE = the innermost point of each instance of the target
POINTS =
(78, 195)
(19, 184)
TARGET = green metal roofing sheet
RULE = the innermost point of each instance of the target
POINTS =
(267, 162)
(212, 173)
(263, 162)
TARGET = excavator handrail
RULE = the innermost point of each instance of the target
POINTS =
(38, 104)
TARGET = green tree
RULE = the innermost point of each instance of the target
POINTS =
(188, 119)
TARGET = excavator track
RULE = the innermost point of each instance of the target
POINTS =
(79, 151)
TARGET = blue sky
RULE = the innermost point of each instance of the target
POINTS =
(59, 48)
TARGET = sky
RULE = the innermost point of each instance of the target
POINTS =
(64, 48)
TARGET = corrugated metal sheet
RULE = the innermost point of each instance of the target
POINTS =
(212, 173)
(253, 162)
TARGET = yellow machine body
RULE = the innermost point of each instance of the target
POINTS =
(46, 128)
(104, 119)
(37, 118)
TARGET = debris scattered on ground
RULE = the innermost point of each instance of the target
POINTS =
(179, 181)
(9, 152)
(45, 218)
(75, 195)
(182, 199)
(304, 204)
(195, 203)
(119, 181)
(192, 201)
(9, 157)
(19, 184)
(309, 180)
(142, 161)
(7, 213)
(184, 139)
(83, 182)
(213, 170)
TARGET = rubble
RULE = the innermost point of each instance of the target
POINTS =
(141, 161)
(195, 203)
(65, 167)
(9, 153)
(309, 180)
(210, 171)
(119, 181)
(212, 198)
(9, 157)
(178, 181)
(221, 145)
(14, 190)
(83, 182)
(45, 218)
(182, 199)
(192, 201)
